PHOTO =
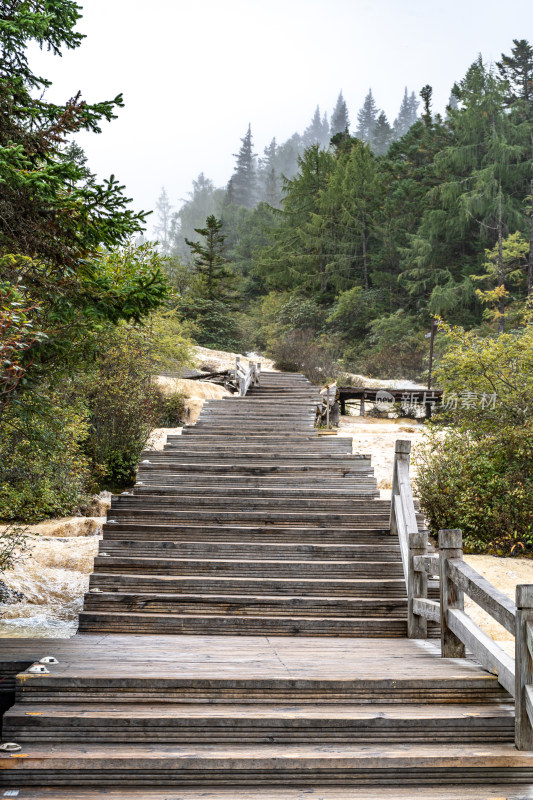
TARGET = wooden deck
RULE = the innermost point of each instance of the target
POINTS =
(247, 640)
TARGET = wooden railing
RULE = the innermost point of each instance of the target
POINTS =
(458, 630)
(327, 412)
(246, 377)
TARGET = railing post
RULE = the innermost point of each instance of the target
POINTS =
(523, 666)
(402, 452)
(417, 586)
(450, 546)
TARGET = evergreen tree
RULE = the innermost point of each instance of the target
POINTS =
(426, 93)
(517, 70)
(452, 103)
(473, 205)
(340, 121)
(287, 156)
(326, 130)
(407, 115)
(382, 136)
(367, 118)
(295, 259)
(244, 179)
(209, 259)
(162, 228)
(270, 190)
(317, 132)
(56, 217)
(203, 201)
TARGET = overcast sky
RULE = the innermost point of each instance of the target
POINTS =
(194, 74)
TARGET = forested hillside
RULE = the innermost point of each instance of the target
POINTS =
(347, 240)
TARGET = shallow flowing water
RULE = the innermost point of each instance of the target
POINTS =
(53, 576)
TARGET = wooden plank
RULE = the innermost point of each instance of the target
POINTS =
(429, 609)
(487, 652)
(417, 585)
(429, 564)
(451, 597)
(491, 599)
(529, 703)
(524, 667)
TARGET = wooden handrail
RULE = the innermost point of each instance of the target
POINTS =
(246, 377)
(402, 514)
(458, 630)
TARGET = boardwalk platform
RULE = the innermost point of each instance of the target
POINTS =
(244, 637)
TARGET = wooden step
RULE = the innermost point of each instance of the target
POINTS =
(254, 586)
(149, 530)
(174, 499)
(262, 723)
(267, 568)
(247, 605)
(256, 625)
(482, 791)
(248, 550)
(252, 518)
(251, 764)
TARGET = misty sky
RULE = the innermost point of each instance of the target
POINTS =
(193, 74)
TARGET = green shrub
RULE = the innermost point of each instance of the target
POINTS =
(299, 351)
(172, 409)
(215, 323)
(482, 485)
(43, 471)
(394, 348)
(123, 407)
(475, 469)
(13, 543)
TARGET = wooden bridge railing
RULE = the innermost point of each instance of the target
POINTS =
(458, 630)
(246, 377)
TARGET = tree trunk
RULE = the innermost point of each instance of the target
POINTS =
(501, 277)
(322, 272)
(365, 258)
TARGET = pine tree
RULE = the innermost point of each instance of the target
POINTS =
(209, 260)
(517, 70)
(244, 180)
(295, 259)
(269, 183)
(326, 129)
(162, 228)
(203, 201)
(367, 118)
(452, 103)
(317, 132)
(426, 93)
(340, 121)
(407, 115)
(382, 135)
(474, 203)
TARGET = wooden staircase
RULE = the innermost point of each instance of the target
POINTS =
(268, 546)
(250, 523)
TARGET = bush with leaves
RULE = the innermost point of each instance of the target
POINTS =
(123, 406)
(394, 348)
(43, 470)
(13, 543)
(172, 410)
(475, 466)
(300, 351)
(171, 343)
